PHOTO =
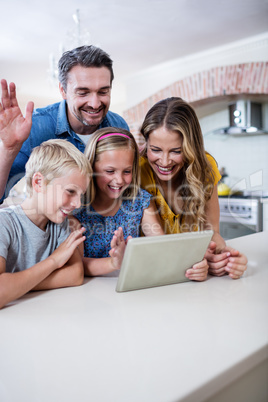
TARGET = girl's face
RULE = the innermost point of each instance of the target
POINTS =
(164, 153)
(113, 172)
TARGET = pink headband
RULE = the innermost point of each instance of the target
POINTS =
(109, 134)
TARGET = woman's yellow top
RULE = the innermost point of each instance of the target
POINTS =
(171, 222)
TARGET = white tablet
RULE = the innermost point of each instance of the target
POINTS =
(161, 260)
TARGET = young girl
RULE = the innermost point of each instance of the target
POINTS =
(183, 178)
(117, 204)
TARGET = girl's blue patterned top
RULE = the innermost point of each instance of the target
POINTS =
(100, 229)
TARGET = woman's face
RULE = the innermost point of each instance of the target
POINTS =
(164, 153)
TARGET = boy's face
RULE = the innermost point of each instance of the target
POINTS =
(62, 195)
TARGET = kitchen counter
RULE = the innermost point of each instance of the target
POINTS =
(187, 342)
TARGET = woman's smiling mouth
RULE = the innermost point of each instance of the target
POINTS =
(165, 170)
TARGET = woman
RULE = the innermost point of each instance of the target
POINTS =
(183, 179)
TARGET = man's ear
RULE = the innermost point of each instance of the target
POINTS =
(63, 93)
(38, 182)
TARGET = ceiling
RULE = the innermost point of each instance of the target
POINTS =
(137, 34)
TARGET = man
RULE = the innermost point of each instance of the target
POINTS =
(85, 82)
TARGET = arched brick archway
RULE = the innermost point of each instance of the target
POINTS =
(247, 78)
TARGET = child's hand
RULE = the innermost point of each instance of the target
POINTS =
(198, 272)
(118, 246)
(14, 128)
(66, 249)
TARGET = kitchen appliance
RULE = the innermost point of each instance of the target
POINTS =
(240, 216)
(245, 118)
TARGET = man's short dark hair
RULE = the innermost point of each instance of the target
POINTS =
(85, 56)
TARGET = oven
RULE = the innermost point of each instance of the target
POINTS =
(240, 216)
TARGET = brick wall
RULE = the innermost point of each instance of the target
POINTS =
(248, 78)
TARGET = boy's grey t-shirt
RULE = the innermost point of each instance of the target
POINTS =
(22, 243)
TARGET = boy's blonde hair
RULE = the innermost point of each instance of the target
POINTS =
(54, 159)
(97, 145)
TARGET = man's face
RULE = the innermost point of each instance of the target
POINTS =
(88, 96)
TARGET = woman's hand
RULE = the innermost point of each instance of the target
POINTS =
(217, 260)
(237, 263)
(226, 261)
(198, 272)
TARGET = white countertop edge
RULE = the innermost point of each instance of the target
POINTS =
(223, 380)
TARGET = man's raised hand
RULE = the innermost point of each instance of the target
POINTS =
(14, 127)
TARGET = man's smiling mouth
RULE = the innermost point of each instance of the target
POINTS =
(92, 111)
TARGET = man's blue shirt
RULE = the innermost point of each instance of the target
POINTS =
(48, 123)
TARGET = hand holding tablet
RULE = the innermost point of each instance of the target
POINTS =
(161, 260)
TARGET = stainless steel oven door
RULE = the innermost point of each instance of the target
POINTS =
(231, 230)
(239, 217)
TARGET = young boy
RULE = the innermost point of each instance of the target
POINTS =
(36, 250)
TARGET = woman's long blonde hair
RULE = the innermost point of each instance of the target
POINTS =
(97, 145)
(196, 178)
